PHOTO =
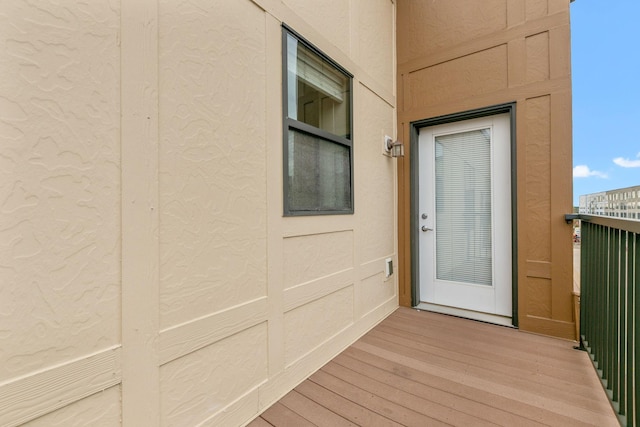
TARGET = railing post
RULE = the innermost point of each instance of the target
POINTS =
(629, 406)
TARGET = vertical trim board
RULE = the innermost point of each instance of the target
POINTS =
(140, 222)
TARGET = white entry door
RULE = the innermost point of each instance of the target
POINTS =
(464, 218)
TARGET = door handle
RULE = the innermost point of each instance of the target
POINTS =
(425, 228)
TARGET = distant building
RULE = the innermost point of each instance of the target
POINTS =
(621, 203)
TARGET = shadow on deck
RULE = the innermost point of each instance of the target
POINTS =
(425, 369)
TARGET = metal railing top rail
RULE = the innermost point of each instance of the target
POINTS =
(625, 224)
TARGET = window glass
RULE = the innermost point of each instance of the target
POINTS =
(319, 174)
(317, 93)
(318, 152)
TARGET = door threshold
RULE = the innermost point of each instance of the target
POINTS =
(468, 314)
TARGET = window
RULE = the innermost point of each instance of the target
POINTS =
(318, 149)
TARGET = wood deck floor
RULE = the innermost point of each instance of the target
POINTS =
(426, 369)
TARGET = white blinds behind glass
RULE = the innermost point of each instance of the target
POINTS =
(463, 207)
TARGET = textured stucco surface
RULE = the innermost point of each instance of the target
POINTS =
(332, 19)
(375, 41)
(143, 248)
(212, 157)
(59, 185)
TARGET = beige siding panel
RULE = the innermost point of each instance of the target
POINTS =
(98, 410)
(201, 384)
(375, 291)
(311, 291)
(59, 183)
(212, 157)
(375, 42)
(332, 19)
(45, 391)
(187, 337)
(430, 25)
(537, 48)
(309, 326)
(538, 179)
(472, 75)
(311, 257)
(375, 180)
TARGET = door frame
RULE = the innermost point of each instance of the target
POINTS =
(414, 129)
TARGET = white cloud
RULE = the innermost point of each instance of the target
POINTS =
(583, 171)
(626, 163)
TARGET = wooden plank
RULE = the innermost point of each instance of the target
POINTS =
(534, 372)
(532, 383)
(281, 416)
(372, 402)
(313, 411)
(419, 368)
(406, 400)
(490, 336)
(441, 396)
(346, 408)
(447, 386)
(547, 351)
(510, 387)
(465, 343)
(259, 422)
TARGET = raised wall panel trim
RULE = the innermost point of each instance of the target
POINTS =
(34, 395)
(310, 291)
(195, 334)
(479, 44)
(540, 269)
(373, 267)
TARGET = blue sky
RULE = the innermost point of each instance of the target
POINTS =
(605, 49)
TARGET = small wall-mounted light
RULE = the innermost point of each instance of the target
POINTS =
(393, 148)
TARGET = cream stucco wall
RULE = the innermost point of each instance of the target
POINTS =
(148, 275)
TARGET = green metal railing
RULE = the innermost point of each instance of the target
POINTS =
(610, 309)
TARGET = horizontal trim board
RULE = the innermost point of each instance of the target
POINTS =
(195, 334)
(376, 266)
(310, 291)
(34, 395)
(540, 269)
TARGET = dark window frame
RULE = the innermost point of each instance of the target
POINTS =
(301, 127)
